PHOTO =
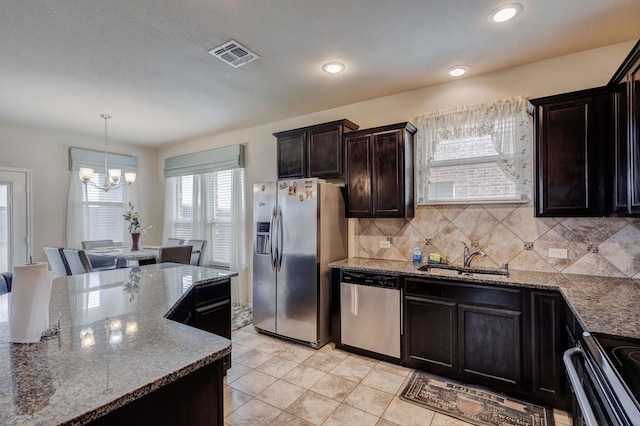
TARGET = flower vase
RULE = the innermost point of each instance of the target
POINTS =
(135, 245)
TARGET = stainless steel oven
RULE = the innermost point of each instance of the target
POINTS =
(604, 372)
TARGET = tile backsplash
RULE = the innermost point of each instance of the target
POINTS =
(508, 234)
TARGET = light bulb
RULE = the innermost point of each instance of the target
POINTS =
(85, 173)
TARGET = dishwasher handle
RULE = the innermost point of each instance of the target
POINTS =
(574, 378)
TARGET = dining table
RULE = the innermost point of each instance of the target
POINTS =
(148, 254)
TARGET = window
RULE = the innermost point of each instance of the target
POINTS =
(102, 211)
(208, 196)
(475, 154)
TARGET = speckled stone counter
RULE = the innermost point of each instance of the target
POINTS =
(129, 349)
(603, 305)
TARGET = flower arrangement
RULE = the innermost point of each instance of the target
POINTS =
(133, 218)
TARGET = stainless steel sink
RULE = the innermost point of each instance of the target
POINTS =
(453, 270)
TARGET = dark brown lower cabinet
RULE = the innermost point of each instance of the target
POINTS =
(208, 307)
(548, 342)
(509, 339)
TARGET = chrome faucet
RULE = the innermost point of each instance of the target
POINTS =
(468, 256)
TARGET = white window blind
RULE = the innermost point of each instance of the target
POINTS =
(208, 196)
(103, 211)
(480, 153)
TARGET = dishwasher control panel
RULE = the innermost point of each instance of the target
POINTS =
(371, 279)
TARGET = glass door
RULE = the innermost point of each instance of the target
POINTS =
(14, 218)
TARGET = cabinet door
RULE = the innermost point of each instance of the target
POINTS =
(430, 335)
(216, 319)
(291, 155)
(547, 343)
(634, 138)
(490, 345)
(358, 176)
(388, 178)
(325, 152)
(574, 153)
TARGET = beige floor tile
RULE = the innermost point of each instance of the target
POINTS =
(381, 380)
(253, 358)
(238, 349)
(253, 413)
(442, 420)
(236, 371)
(281, 394)
(295, 352)
(274, 345)
(238, 335)
(304, 376)
(369, 362)
(253, 382)
(233, 399)
(368, 399)
(406, 414)
(562, 418)
(351, 370)
(383, 422)
(286, 419)
(346, 415)
(313, 407)
(330, 349)
(323, 361)
(398, 370)
(277, 367)
(255, 340)
(334, 387)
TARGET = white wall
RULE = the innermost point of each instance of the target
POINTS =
(46, 153)
(559, 75)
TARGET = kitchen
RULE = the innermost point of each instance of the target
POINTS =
(532, 80)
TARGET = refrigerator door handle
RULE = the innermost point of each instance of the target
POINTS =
(271, 235)
(280, 231)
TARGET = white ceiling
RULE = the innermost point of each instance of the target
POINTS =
(145, 62)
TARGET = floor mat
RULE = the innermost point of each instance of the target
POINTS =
(241, 315)
(472, 404)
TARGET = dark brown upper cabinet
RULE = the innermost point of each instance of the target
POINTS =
(625, 86)
(574, 153)
(379, 171)
(315, 151)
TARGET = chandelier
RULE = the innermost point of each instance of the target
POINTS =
(111, 176)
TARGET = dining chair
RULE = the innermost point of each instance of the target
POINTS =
(57, 261)
(6, 279)
(173, 242)
(100, 263)
(78, 261)
(175, 254)
(198, 245)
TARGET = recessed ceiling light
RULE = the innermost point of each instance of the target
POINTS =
(333, 67)
(458, 70)
(504, 13)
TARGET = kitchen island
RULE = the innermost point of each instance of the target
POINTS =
(117, 357)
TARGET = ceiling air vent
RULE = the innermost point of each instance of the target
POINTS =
(234, 54)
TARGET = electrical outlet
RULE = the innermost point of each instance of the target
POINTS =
(557, 253)
(385, 244)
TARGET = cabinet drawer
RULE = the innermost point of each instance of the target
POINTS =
(205, 294)
(487, 295)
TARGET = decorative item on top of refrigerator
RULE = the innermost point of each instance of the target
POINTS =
(299, 228)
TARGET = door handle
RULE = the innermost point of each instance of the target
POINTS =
(581, 395)
(280, 237)
(272, 233)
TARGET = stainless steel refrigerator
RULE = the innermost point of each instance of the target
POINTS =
(299, 227)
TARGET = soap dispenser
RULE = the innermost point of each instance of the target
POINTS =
(417, 256)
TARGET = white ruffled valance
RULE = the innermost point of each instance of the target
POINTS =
(505, 121)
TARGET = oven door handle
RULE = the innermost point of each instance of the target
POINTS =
(581, 396)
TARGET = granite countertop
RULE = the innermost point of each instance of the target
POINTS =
(602, 304)
(135, 350)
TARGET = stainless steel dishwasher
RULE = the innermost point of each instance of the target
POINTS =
(370, 312)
